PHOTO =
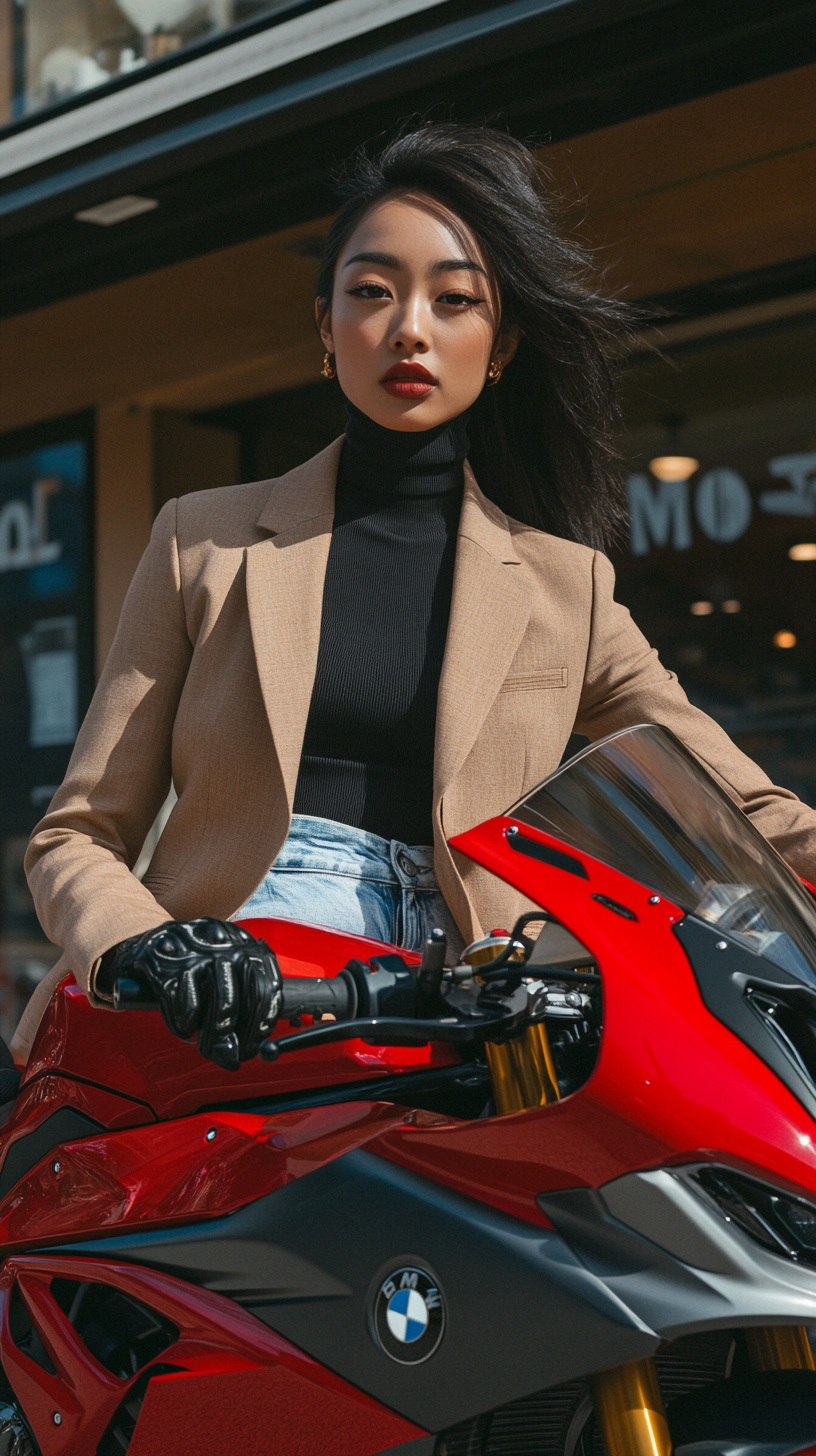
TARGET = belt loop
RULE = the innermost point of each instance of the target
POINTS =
(405, 868)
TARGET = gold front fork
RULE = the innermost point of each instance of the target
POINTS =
(629, 1410)
(627, 1401)
(779, 1347)
(629, 1407)
(522, 1071)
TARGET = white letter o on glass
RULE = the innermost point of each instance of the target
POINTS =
(722, 504)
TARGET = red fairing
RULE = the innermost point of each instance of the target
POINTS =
(48, 1094)
(239, 1388)
(672, 1084)
(136, 1054)
(41, 1099)
(198, 1167)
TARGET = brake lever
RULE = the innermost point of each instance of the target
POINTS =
(394, 1030)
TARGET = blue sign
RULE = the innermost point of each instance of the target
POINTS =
(42, 523)
(45, 619)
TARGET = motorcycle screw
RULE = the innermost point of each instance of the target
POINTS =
(57, 1167)
(212, 1134)
(57, 1418)
(654, 899)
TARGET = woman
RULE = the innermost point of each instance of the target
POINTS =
(375, 643)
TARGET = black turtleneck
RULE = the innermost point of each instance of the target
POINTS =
(369, 744)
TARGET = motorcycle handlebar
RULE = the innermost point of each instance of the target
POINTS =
(316, 996)
(302, 996)
(385, 986)
(131, 995)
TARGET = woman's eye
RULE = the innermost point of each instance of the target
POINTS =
(368, 290)
(459, 300)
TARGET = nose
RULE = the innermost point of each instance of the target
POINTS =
(411, 334)
(408, 341)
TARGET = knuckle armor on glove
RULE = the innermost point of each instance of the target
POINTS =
(211, 980)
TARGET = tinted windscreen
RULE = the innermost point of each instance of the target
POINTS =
(641, 802)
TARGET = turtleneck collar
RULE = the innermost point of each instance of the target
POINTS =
(403, 462)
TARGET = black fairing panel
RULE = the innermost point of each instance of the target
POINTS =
(63, 1126)
(724, 976)
(522, 1312)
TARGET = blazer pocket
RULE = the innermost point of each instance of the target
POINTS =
(531, 682)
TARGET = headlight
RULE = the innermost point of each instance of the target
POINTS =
(778, 1221)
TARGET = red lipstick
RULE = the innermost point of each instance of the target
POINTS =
(408, 381)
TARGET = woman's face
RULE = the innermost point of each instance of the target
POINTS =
(414, 316)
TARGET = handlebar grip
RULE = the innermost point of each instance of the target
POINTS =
(317, 996)
(302, 996)
(130, 995)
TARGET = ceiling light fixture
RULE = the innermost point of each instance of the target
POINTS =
(732, 605)
(673, 467)
(803, 551)
(702, 609)
(785, 639)
(119, 209)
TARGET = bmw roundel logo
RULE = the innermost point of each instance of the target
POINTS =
(409, 1315)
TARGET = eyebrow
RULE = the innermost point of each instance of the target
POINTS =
(386, 259)
(453, 265)
(445, 265)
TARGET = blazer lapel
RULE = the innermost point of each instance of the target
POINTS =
(285, 572)
(489, 612)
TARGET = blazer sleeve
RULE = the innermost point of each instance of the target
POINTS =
(626, 683)
(81, 853)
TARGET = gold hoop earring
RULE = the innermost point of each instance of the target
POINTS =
(328, 371)
(494, 373)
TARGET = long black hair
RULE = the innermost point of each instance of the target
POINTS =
(542, 440)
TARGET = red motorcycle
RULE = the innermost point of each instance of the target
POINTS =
(557, 1200)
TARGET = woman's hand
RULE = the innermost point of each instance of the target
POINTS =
(210, 978)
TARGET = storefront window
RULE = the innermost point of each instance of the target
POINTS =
(58, 49)
(720, 568)
(45, 669)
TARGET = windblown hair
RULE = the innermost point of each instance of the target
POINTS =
(542, 440)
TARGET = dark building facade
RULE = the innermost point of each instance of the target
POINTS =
(164, 189)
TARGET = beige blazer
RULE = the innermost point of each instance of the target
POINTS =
(209, 682)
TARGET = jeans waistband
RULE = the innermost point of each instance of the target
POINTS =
(323, 846)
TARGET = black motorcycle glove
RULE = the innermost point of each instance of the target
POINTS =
(209, 978)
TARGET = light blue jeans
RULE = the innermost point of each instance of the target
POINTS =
(334, 875)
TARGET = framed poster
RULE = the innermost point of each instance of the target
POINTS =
(46, 660)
